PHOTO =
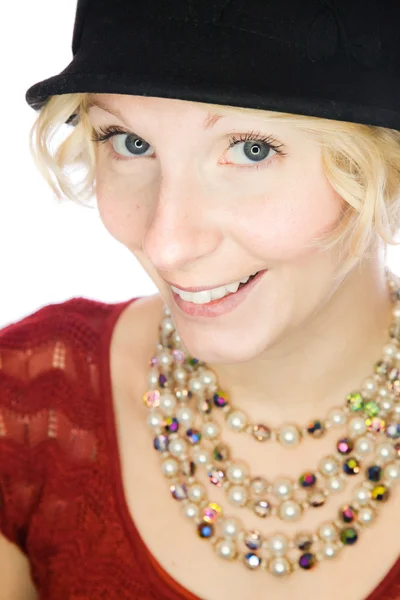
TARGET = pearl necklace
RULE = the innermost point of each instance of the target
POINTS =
(182, 396)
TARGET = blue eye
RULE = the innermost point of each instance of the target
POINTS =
(257, 148)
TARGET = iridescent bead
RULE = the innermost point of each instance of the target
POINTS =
(253, 540)
(237, 420)
(188, 468)
(303, 541)
(316, 499)
(380, 493)
(307, 560)
(351, 466)
(161, 443)
(221, 452)
(290, 511)
(393, 431)
(315, 429)
(170, 467)
(193, 435)
(217, 477)
(366, 515)
(329, 466)
(205, 530)
(348, 536)
(381, 367)
(372, 409)
(374, 473)
(212, 512)
(151, 398)
(258, 486)
(375, 424)
(237, 472)
(277, 544)
(307, 480)
(178, 491)
(205, 406)
(345, 446)
(261, 433)
(392, 472)
(396, 449)
(221, 399)
(282, 489)
(262, 508)
(355, 401)
(280, 567)
(289, 436)
(237, 495)
(226, 549)
(347, 514)
(171, 424)
(251, 560)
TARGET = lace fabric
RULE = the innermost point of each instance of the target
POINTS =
(61, 493)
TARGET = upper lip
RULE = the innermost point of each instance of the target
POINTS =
(206, 287)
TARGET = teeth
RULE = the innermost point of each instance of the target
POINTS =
(207, 295)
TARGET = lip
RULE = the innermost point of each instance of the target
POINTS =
(217, 308)
(204, 287)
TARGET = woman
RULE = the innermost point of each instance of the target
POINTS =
(222, 444)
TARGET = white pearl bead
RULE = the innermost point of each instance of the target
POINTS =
(279, 567)
(335, 484)
(237, 420)
(237, 472)
(329, 551)
(386, 404)
(211, 430)
(230, 527)
(176, 339)
(389, 350)
(328, 532)
(185, 416)
(152, 378)
(396, 312)
(201, 456)
(329, 466)
(385, 451)
(190, 510)
(208, 377)
(357, 427)
(362, 495)
(277, 544)
(167, 403)
(364, 446)
(258, 486)
(196, 492)
(226, 549)
(290, 511)
(396, 410)
(170, 467)
(282, 489)
(195, 385)
(289, 436)
(392, 472)
(167, 325)
(369, 386)
(337, 417)
(178, 447)
(180, 375)
(366, 515)
(165, 359)
(237, 495)
(155, 419)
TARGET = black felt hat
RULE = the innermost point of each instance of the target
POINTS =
(331, 59)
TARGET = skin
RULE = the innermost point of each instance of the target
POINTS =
(192, 213)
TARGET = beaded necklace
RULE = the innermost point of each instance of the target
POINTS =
(182, 399)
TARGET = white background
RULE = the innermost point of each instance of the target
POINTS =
(50, 252)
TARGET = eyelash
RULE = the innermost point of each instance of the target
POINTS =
(105, 133)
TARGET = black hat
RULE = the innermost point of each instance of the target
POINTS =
(335, 59)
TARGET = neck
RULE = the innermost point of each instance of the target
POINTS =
(312, 370)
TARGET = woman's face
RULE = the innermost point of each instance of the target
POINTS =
(197, 212)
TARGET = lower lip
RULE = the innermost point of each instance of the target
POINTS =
(216, 308)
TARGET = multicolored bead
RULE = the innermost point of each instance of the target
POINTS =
(193, 435)
(252, 560)
(316, 499)
(151, 398)
(307, 480)
(381, 367)
(351, 466)
(188, 468)
(375, 424)
(355, 401)
(171, 424)
(261, 433)
(307, 561)
(303, 541)
(221, 399)
(345, 446)
(380, 493)
(262, 508)
(348, 536)
(162, 380)
(253, 540)
(374, 473)
(161, 443)
(221, 453)
(372, 409)
(212, 512)
(205, 530)
(217, 477)
(205, 406)
(179, 491)
(316, 429)
(393, 431)
(347, 514)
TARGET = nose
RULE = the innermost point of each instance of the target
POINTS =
(183, 227)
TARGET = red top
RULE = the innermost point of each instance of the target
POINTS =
(61, 491)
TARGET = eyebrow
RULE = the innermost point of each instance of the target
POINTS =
(209, 122)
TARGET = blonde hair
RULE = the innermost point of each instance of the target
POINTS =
(362, 163)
